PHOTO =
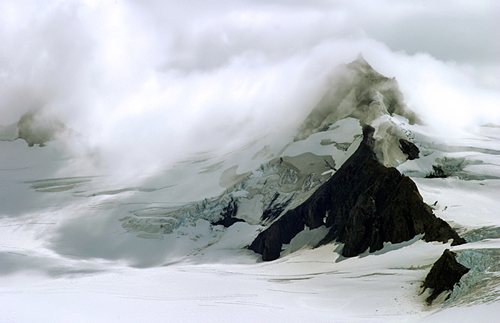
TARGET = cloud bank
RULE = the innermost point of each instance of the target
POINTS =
(147, 82)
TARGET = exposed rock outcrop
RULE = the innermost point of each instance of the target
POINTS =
(228, 215)
(365, 204)
(438, 172)
(444, 274)
(275, 208)
(358, 91)
(409, 149)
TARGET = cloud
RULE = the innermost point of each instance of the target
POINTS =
(147, 82)
(448, 30)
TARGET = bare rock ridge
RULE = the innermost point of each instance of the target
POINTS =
(364, 204)
(444, 274)
(359, 91)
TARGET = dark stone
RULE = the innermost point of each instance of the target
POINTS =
(269, 242)
(228, 215)
(409, 149)
(365, 205)
(444, 274)
(275, 208)
(438, 172)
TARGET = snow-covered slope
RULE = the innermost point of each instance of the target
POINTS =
(104, 251)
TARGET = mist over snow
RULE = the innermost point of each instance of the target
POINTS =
(145, 83)
(145, 145)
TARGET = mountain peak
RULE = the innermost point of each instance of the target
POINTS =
(364, 205)
(360, 61)
(357, 91)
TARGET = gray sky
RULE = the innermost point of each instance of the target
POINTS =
(135, 75)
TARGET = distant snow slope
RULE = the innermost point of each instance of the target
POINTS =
(84, 248)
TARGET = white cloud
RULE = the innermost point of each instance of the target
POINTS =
(143, 80)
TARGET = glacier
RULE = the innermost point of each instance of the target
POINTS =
(104, 251)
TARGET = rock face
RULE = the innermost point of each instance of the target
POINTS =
(228, 215)
(364, 204)
(409, 149)
(438, 172)
(444, 274)
(358, 91)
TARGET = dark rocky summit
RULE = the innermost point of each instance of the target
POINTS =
(444, 274)
(364, 204)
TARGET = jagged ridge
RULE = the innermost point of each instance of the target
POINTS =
(365, 205)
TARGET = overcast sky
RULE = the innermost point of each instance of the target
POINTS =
(151, 76)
